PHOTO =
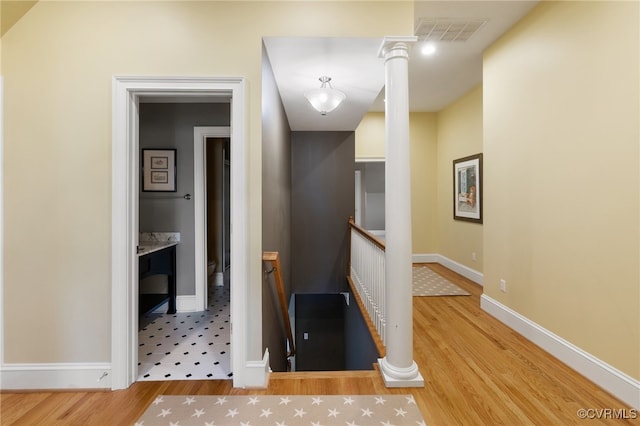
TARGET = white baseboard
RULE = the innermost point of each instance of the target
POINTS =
(604, 375)
(186, 303)
(257, 372)
(465, 271)
(183, 304)
(426, 258)
(55, 376)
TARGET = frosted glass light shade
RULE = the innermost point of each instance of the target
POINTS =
(325, 99)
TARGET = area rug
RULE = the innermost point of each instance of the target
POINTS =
(426, 282)
(292, 410)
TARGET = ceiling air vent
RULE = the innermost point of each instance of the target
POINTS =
(448, 29)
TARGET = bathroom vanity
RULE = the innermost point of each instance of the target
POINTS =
(157, 258)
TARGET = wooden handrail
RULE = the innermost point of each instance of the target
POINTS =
(366, 234)
(273, 258)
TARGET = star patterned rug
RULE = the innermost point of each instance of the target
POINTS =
(426, 282)
(292, 410)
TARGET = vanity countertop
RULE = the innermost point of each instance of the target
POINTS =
(150, 242)
(146, 247)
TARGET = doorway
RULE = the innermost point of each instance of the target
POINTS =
(218, 198)
(127, 92)
(194, 342)
(209, 219)
(370, 195)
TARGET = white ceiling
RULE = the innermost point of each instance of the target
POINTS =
(353, 65)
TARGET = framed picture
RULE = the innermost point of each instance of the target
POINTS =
(467, 188)
(159, 170)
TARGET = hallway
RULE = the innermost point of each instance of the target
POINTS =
(477, 370)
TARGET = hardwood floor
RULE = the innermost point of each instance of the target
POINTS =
(477, 371)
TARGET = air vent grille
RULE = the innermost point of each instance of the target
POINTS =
(448, 29)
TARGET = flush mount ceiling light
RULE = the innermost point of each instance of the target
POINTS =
(326, 98)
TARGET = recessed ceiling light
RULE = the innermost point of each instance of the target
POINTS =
(428, 49)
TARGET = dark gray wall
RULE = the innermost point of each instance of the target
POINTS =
(359, 348)
(321, 318)
(322, 199)
(276, 210)
(167, 125)
(337, 335)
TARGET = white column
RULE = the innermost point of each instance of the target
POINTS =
(397, 367)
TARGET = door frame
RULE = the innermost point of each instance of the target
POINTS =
(126, 94)
(200, 135)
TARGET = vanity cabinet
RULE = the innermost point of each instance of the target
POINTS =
(157, 261)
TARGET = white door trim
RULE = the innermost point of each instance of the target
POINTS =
(200, 134)
(2, 346)
(124, 214)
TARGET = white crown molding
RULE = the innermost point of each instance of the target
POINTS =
(621, 385)
(55, 376)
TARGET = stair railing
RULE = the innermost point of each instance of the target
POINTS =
(366, 275)
(273, 258)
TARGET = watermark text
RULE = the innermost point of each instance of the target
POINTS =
(608, 413)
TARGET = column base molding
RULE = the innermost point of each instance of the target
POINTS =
(396, 377)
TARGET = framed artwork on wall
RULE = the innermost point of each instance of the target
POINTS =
(467, 188)
(159, 170)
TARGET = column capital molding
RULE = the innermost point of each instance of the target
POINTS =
(396, 43)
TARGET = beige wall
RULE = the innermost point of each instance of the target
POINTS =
(459, 135)
(370, 137)
(370, 144)
(58, 63)
(561, 144)
(424, 174)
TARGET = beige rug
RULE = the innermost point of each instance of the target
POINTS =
(428, 283)
(266, 410)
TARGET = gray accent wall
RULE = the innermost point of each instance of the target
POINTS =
(322, 199)
(359, 347)
(170, 125)
(320, 334)
(276, 211)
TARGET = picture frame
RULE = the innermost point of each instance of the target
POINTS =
(467, 188)
(159, 170)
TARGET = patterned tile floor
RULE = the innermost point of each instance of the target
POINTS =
(187, 346)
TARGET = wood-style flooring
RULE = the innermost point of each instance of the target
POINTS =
(477, 371)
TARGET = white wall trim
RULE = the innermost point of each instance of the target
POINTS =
(426, 258)
(184, 303)
(257, 372)
(371, 159)
(604, 375)
(1, 221)
(126, 92)
(200, 134)
(187, 303)
(55, 376)
(465, 271)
